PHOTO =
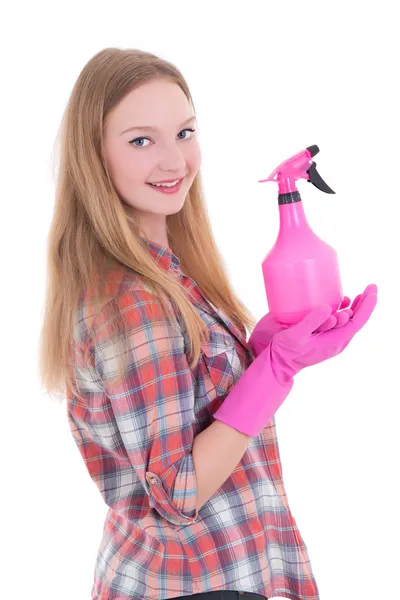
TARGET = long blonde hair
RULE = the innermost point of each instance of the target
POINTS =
(92, 235)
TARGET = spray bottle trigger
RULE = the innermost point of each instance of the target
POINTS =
(316, 179)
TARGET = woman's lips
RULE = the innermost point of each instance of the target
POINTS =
(169, 189)
(152, 182)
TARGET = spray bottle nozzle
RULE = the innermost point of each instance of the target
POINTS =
(315, 177)
(298, 167)
(313, 150)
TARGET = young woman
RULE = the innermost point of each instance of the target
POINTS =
(171, 408)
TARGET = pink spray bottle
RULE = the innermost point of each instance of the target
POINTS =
(300, 271)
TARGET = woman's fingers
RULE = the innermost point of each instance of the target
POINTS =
(328, 324)
(364, 310)
(355, 302)
(344, 303)
(338, 319)
(343, 317)
(299, 333)
(370, 289)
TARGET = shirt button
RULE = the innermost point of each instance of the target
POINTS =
(227, 343)
(151, 478)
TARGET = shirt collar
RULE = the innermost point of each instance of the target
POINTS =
(163, 256)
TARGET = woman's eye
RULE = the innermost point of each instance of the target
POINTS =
(145, 138)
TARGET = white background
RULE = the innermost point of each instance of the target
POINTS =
(268, 79)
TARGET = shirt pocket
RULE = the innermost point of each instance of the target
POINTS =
(220, 360)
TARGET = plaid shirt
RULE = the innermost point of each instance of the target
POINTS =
(136, 441)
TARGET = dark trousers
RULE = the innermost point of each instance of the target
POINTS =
(223, 595)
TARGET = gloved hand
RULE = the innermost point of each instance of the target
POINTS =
(268, 326)
(265, 384)
(302, 345)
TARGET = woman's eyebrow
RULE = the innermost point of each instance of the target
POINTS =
(148, 128)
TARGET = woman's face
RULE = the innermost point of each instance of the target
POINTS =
(166, 151)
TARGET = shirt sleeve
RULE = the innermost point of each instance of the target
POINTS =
(153, 405)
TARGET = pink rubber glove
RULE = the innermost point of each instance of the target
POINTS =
(268, 326)
(302, 345)
(265, 384)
